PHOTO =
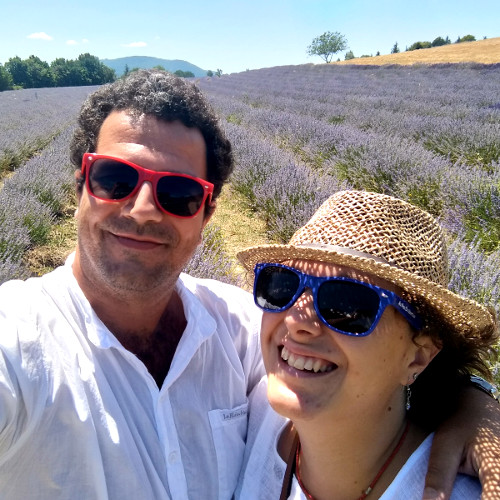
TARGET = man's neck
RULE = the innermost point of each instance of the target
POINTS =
(150, 325)
(156, 349)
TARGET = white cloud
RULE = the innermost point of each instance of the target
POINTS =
(74, 42)
(135, 44)
(40, 36)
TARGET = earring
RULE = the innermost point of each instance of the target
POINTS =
(408, 392)
(408, 396)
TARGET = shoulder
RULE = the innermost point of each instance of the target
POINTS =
(20, 298)
(209, 289)
(227, 314)
(222, 300)
(29, 310)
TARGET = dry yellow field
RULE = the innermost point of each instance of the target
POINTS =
(481, 51)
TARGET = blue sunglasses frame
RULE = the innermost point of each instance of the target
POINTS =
(386, 297)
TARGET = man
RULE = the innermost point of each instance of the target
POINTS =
(120, 377)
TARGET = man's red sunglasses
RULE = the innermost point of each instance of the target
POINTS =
(113, 179)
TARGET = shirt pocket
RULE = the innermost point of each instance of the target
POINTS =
(229, 430)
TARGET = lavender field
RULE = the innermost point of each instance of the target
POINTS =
(430, 135)
(35, 175)
(427, 134)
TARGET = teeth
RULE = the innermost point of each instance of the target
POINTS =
(305, 363)
(299, 363)
(308, 364)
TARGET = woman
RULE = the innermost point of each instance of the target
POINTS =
(363, 383)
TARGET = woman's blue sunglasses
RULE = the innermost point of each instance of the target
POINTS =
(345, 305)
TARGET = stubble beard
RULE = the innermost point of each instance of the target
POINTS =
(131, 274)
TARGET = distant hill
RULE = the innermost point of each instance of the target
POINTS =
(144, 62)
(481, 51)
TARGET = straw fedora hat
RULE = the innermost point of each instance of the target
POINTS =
(388, 238)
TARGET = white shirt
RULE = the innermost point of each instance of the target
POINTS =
(82, 418)
(263, 469)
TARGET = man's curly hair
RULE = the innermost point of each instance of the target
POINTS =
(164, 96)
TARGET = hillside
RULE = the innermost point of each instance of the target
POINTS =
(481, 51)
(144, 62)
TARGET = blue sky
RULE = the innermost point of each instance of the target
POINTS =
(232, 35)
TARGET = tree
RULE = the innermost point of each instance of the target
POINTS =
(184, 74)
(94, 72)
(466, 38)
(30, 73)
(419, 45)
(326, 45)
(218, 72)
(39, 72)
(210, 73)
(395, 49)
(439, 41)
(67, 73)
(18, 70)
(349, 55)
(5, 79)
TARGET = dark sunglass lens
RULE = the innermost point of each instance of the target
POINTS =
(275, 287)
(180, 195)
(349, 307)
(112, 180)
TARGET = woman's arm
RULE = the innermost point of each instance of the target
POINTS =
(468, 442)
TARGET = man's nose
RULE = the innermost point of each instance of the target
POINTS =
(142, 207)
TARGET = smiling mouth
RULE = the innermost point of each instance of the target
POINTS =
(305, 363)
(132, 242)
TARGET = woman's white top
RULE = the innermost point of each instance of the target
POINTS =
(263, 468)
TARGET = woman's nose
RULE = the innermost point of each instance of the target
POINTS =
(301, 319)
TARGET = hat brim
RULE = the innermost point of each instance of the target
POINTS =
(467, 316)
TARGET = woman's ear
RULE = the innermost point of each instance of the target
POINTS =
(425, 351)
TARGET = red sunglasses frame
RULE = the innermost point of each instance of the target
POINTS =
(145, 174)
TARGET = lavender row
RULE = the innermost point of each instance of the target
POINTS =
(451, 110)
(30, 118)
(281, 190)
(30, 200)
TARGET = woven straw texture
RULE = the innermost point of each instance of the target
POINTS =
(408, 239)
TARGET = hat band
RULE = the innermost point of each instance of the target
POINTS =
(344, 250)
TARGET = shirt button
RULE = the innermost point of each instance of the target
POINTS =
(173, 457)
